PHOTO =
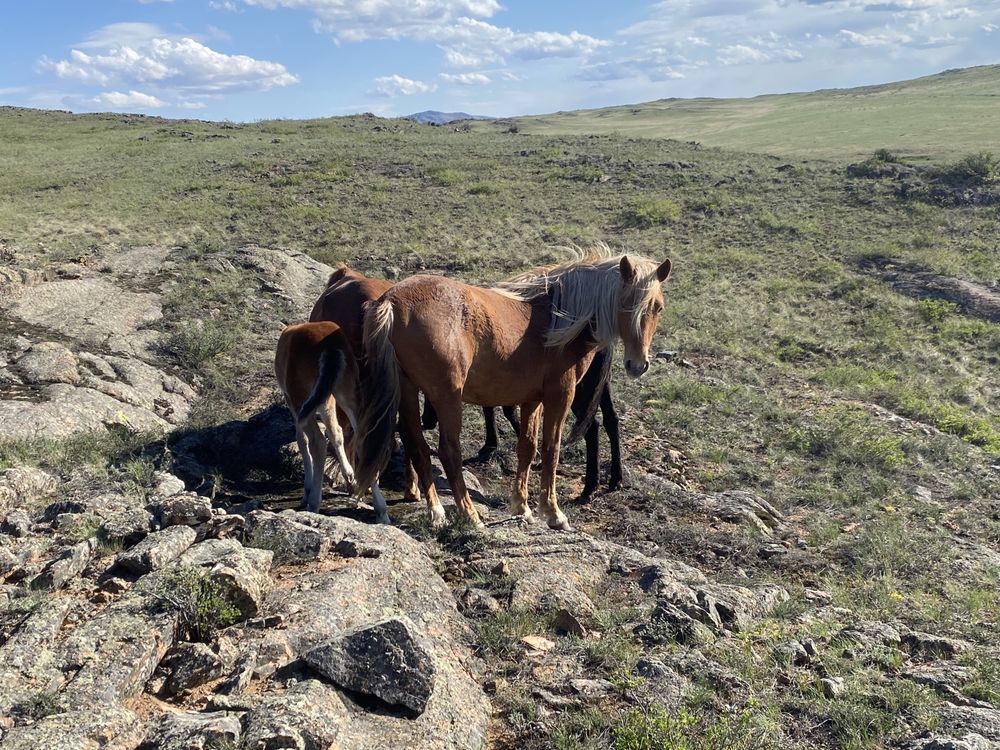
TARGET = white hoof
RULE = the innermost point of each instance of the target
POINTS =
(560, 522)
(438, 518)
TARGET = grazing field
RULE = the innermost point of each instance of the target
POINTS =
(830, 344)
(931, 118)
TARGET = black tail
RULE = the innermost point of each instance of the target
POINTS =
(332, 363)
(588, 393)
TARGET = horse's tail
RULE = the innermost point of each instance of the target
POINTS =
(591, 385)
(379, 395)
(332, 363)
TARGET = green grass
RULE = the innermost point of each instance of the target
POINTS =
(937, 116)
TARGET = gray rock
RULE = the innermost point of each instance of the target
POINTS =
(190, 665)
(104, 314)
(963, 720)
(290, 540)
(669, 624)
(591, 688)
(126, 526)
(17, 523)
(241, 572)
(22, 486)
(389, 660)
(478, 602)
(98, 727)
(28, 660)
(353, 548)
(157, 550)
(167, 485)
(68, 565)
(833, 687)
(242, 673)
(934, 645)
(185, 509)
(307, 716)
(193, 732)
(48, 362)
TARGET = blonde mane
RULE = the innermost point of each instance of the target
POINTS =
(587, 292)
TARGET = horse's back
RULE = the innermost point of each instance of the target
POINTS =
(297, 359)
(343, 303)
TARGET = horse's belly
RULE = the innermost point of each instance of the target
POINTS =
(497, 386)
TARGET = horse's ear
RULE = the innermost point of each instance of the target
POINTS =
(663, 272)
(627, 270)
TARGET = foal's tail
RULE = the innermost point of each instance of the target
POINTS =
(379, 395)
(332, 363)
(590, 387)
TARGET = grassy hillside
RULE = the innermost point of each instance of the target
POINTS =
(870, 417)
(934, 117)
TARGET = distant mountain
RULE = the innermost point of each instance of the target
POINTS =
(433, 117)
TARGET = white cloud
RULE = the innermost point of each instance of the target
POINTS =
(990, 27)
(138, 53)
(226, 5)
(396, 85)
(886, 38)
(467, 79)
(738, 54)
(454, 25)
(131, 100)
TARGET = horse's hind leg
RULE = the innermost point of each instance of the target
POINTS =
(491, 444)
(307, 470)
(526, 443)
(611, 428)
(449, 410)
(316, 450)
(416, 447)
(329, 414)
(381, 511)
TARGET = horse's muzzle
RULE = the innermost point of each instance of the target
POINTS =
(636, 369)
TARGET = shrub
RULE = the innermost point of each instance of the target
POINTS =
(848, 436)
(200, 602)
(445, 176)
(195, 344)
(974, 169)
(935, 310)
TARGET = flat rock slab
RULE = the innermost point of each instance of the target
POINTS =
(100, 727)
(93, 311)
(68, 565)
(290, 540)
(387, 660)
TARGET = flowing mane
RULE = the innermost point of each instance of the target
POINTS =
(587, 291)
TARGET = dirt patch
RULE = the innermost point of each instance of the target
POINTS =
(974, 299)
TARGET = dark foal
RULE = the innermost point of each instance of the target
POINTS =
(587, 398)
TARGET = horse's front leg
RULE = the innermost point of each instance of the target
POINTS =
(555, 407)
(526, 442)
(611, 427)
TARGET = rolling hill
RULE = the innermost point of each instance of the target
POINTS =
(933, 117)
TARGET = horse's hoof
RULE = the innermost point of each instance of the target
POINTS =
(560, 523)
(438, 518)
(384, 518)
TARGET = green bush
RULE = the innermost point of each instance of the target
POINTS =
(655, 729)
(935, 310)
(974, 169)
(445, 176)
(200, 602)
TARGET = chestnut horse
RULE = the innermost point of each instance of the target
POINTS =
(527, 343)
(317, 372)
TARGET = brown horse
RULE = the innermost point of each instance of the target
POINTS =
(526, 344)
(317, 373)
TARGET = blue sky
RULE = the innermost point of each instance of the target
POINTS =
(253, 59)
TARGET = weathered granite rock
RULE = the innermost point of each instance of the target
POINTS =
(308, 715)
(185, 509)
(28, 661)
(127, 526)
(387, 659)
(193, 732)
(97, 727)
(959, 721)
(167, 485)
(968, 742)
(48, 362)
(190, 665)
(68, 565)
(17, 523)
(934, 645)
(242, 572)
(281, 533)
(22, 485)
(157, 550)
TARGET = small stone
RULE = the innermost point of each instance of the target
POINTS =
(833, 687)
(591, 688)
(502, 568)
(793, 653)
(291, 541)
(353, 548)
(127, 526)
(538, 642)
(810, 647)
(188, 731)
(475, 601)
(167, 485)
